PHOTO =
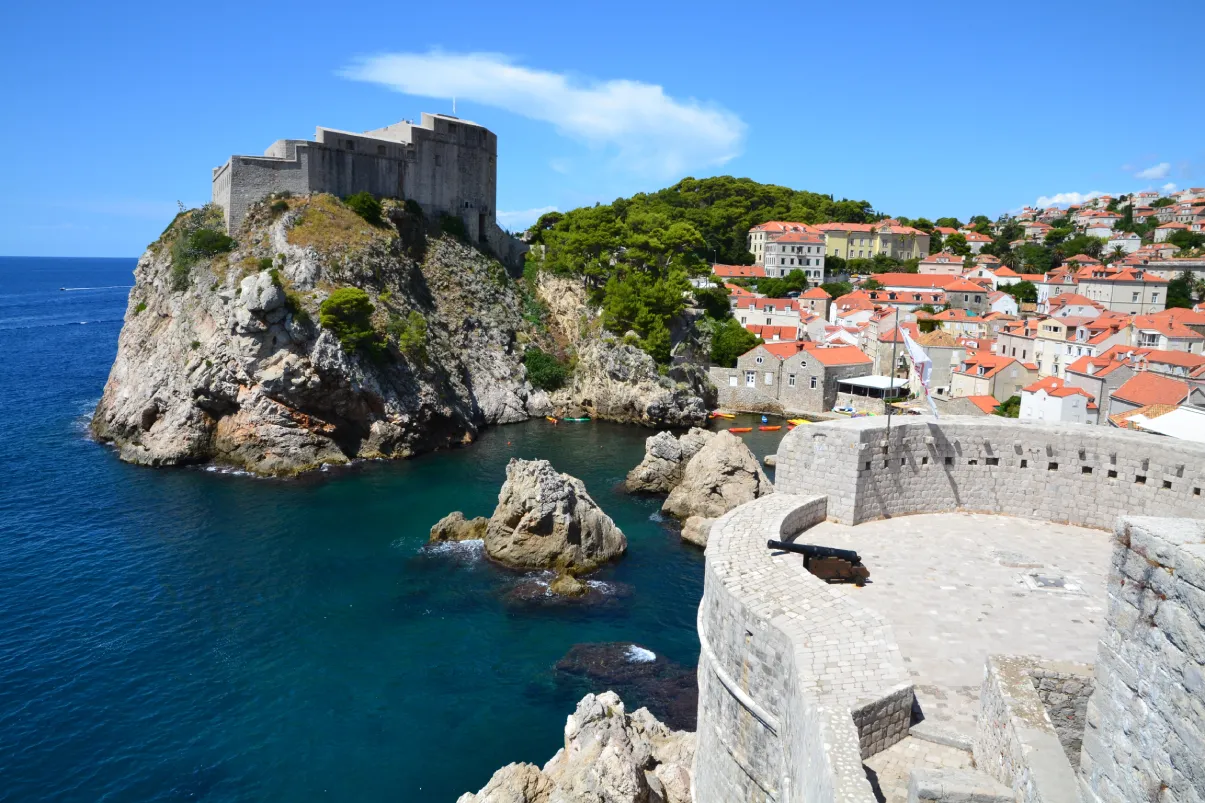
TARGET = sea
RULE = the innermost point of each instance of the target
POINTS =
(190, 634)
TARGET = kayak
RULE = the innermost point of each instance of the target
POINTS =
(718, 414)
(550, 418)
(740, 429)
(576, 419)
(798, 421)
(771, 429)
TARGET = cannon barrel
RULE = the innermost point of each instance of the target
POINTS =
(813, 551)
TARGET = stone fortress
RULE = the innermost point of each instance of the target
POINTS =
(989, 658)
(448, 165)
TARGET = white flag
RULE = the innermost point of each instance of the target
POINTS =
(922, 365)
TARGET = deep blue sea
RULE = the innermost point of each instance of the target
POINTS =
(183, 634)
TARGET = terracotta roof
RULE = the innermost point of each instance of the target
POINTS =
(985, 403)
(782, 226)
(839, 355)
(737, 290)
(944, 230)
(759, 304)
(797, 237)
(976, 237)
(1033, 277)
(1188, 317)
(816, 292)
(733, 271)
(1067, 299)
(1053, 386)
(1149, 411)
(771, 333)
(1149, 388)
(1083, 259)
(942, 257)
(993, 364)
(1168, 326)
(780, 350)
(1007, 272)
(938, 338)
(866, 227)
(961, 285)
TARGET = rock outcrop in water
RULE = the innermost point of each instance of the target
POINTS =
(455, 527)
(545, 519)
(224, 355)
(721, 476)
(665, 458)
(670, 691)
(609, 756)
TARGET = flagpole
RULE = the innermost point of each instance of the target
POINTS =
(895, 337)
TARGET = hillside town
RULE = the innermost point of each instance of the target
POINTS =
(1113, 335)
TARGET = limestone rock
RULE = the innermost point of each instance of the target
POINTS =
(455, 527)
(608, 757)
(222, 360)
(721, 476)
(514, 783)
(665, 458)
(696, 529)
(546, 519)
(568, 586)
(620, 382)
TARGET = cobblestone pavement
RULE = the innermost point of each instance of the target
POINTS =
(959, 586)
(888, 771)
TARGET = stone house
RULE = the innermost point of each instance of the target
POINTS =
(796, 250)
(946, 352)
(788, 377)
(1132, 291)
(1051, 399)
(1144, 388)
(1098, 377)
(991, 375)
(816, 301)
(941, 264)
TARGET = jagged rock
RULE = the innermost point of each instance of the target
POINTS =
(696, 529)
(770, 460)
(665, 458)
(620, 382)
(455, 527)
(721, 476)
(608, 757)
(546, 519)
(224, 359)
(568, 586)
(670, 691)
(514, 783)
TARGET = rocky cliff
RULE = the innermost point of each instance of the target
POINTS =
(225, 355)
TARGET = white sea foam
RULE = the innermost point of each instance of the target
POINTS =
(639, 655)
(470, 549)
(600, 586)
(656, 516)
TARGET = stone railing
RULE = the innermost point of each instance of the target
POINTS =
(797, 683)
(1080, 475)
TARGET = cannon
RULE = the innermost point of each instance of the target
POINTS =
(828, 563)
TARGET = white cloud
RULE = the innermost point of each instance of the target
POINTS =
(651, 133)
(1155, 171)
(522, 218)
(1062, 198)
(1169, 187)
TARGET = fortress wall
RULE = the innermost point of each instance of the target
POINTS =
(247, 179)
(1079, 475)
(784, 659)
(1145, 738)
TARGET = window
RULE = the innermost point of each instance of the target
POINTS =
(769, 378)
(1135, 298)
(350, 144)
(812, 384)
(790, 380)
(380, 150)
(750, 379)
(760, 360)
(732, 380)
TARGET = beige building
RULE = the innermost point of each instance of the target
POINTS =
(941, 264)
(760, 235)
(865, 240)
(1132, 291)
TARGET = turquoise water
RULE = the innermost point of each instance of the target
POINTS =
(191, 635)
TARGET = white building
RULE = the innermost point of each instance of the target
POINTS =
(1051, 399)
(795, 250)
(1127, 241)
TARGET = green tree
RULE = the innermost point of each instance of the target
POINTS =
(837, 289)
(714, 301)
(1024, 291)
(366, 206)
(544, 371)
(948, 223)
(729, 341)
(1161, 202)
(1082, 244)
(936, 245)
(1009, 408)
(871, 284)
(1187, 240)
(834, 265)
(347, 313)
(956, 243)
(1179, 291)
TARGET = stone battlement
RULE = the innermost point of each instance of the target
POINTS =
(799, 683)
(449, 166)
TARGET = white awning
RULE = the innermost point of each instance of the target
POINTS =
(875, 382)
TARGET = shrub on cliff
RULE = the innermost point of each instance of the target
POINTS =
(200, 236)
(347, 313)
(730, 341)
(411, 335)
(366, 206)
(453, 225)
(544, 371)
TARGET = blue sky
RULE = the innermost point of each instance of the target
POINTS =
(117, 111)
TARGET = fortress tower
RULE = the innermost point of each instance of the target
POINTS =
(447, 165)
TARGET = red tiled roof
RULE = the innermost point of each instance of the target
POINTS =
(1083, 259)
(993, 364)
(1053, 386)
(1148, 388)
(734, 271)
(781, 226)
(772, 333)
(838, 355)
(797, 237)
(985, 403)
(1167, 326)
(816, 292)
(1007, 273)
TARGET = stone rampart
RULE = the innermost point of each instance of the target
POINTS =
(1145, 738)
(1068, 474)
(797, 683)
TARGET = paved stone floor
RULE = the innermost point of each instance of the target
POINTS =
(888, 771)
(959, 586)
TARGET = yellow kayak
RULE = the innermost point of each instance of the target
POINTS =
(798, 421)
(718, 414)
